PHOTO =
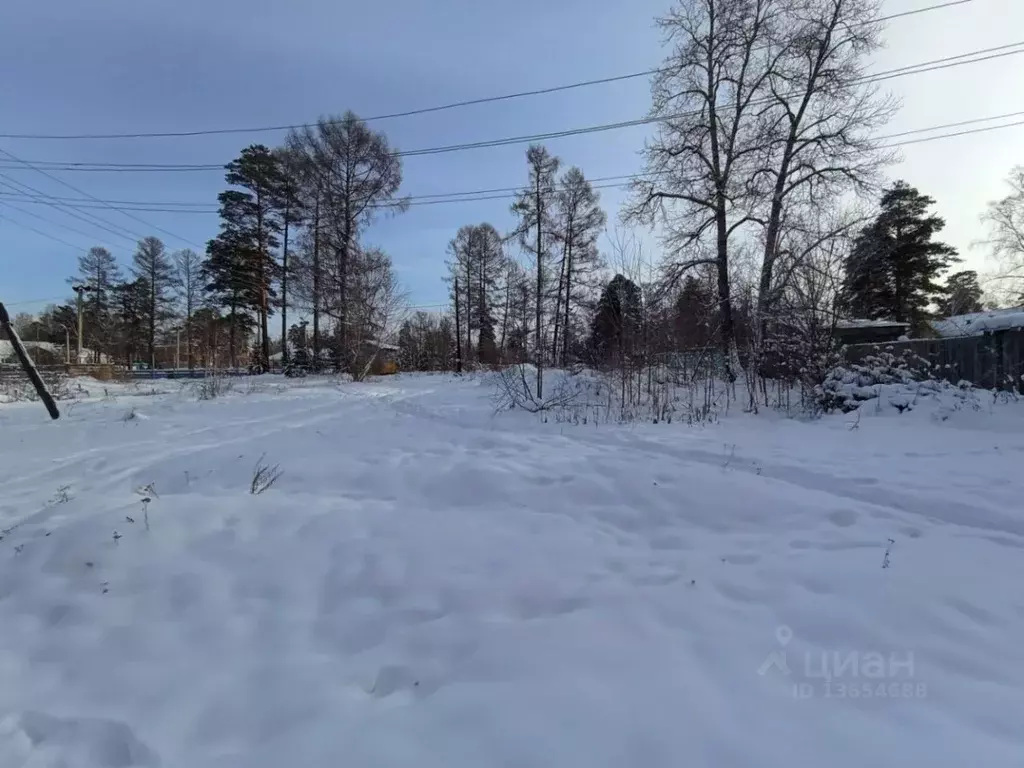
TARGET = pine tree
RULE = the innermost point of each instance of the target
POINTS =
(230, 284)
(617, 320)
(252, 220)
(131, 302)
(894, 266)
(693, 315)
(536, 229)
(962, 294)
(288, 202)
(152, 265)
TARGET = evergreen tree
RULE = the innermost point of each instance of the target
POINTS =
(288, 202)
(693, 315)
(98, 269)
(894, 266)
(251, 223)
(962, 294)
(131, 313)
(152, 265)
(617, 320)
(229, 285)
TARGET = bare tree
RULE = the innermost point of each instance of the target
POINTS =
(477, 266)
(357, 176)
(706, 151)
(1005, 220)
(580, 221)
(152, 265)
(801, 346)
(515, 315)
(536, 229)
(189, 285)
(375, 302)
(816, 127)
(98, 269)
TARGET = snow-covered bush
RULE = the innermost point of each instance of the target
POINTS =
(19, 388)
(655, 394)
(514, 388)
(845, 387)
(213, 387)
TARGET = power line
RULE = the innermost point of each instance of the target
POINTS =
(34, 200)
(420, 111)
(886, 146)
(88, 218)
(17, 223)
(93, 197)
(51, 222)
(496, 193)
(946, 62)
(250, 283)
(952, 135)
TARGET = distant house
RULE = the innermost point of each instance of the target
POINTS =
(979, 323)
(47, 353)
(384, 357)
(864, 331)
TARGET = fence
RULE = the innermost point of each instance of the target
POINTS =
(994, 360)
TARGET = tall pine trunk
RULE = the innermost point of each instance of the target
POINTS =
(263, 255)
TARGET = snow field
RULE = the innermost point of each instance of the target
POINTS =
(433, 584)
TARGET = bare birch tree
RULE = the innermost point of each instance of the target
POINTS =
(375, 302)
(1005, 221)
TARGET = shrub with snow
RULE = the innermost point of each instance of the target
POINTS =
(847, 386)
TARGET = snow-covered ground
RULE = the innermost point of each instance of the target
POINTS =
(431, 584)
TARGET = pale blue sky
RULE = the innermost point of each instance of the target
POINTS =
(110, 66)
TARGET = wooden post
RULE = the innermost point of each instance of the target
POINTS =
(27, 364)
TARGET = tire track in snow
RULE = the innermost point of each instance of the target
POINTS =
(885, 497)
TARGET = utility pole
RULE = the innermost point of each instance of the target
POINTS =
(79, 290)
(27, 365)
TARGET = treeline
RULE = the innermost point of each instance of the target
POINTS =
(290, 238)
(544, 293)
